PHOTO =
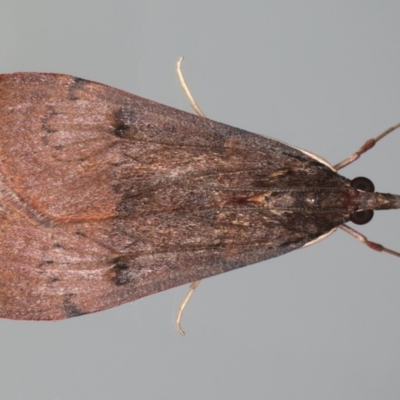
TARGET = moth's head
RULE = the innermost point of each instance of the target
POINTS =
(378, 201)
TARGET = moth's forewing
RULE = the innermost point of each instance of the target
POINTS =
(108, 197)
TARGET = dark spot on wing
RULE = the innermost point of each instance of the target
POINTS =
(45, 263)
(121, 273)
(124, 119)
(74, 87)
(47, 120)
(71, 309)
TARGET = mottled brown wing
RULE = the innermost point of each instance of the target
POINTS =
(108, 197)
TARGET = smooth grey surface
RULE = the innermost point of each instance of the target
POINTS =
(319, 323)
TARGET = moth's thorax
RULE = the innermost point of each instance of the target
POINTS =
(345, 199)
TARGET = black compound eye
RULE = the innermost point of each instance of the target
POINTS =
(363, 184)
(362, 217)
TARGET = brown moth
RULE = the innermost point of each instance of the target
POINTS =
(107, 197)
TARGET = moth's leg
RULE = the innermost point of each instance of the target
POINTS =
(363, 239)
(364, 148)
(320, 238)
(197, 109)
(192, 288)
(185, 88)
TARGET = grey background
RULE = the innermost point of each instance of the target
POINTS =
(319, 323)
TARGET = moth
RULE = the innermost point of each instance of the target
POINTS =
(107, 197)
